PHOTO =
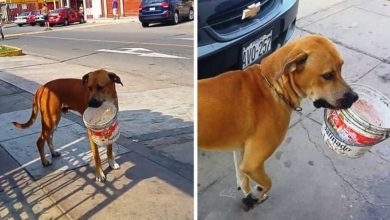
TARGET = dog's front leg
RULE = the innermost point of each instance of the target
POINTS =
(111, 161)
(100, 177)
(242, 181)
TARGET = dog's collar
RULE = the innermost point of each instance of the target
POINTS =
(281, 96)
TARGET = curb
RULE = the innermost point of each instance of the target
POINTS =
(15, 52)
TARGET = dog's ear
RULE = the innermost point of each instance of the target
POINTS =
(295, 63)
(115, 78)
(85, 78)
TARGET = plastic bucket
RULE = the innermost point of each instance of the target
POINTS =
(102, 123)
(352, 132)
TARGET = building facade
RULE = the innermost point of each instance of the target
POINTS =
(92, 8)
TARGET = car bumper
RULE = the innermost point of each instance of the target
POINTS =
(161, 17)
(56, 21)
(19, 22)
(221, 56)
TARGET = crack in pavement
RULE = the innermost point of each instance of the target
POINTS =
(319, 148)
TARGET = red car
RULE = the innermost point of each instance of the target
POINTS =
(64, 16)
(36, 17)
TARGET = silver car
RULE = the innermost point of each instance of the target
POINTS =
(21, 18)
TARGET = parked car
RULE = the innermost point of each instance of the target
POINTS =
(164, 11)
(21, 19)
(237, 34)
(36, 17)
(64, 16)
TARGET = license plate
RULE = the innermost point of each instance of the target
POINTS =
(152, 9)
(256, 49)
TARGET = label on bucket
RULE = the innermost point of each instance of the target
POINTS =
(340, 147)
(346, 131)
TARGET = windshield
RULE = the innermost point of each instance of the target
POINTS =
(24, 13)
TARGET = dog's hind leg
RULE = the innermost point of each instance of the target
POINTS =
(111, 161)
(41, 144)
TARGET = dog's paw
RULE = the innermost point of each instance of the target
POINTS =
(248, 202)
(263, 198)
(113, 165)
(46, 163)
(56, 154)
(100, 178)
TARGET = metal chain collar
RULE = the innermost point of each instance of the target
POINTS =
(281, 96)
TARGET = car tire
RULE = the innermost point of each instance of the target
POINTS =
(20, 25)
(41, 24)
(175, 19)
(81, 20)
(144, 24)
(191, 15)
(66, 22)
(33, 24)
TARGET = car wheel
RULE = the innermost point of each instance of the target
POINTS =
(41, 24)
(33, 24)
(66, 22)
(81, 20)
(144, 24)
(20, 25)
(191, 15)
(175, 18)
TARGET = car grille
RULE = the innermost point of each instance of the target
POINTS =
(230, 21)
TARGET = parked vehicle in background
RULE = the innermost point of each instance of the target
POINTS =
(165, 11)
(36, 17)
(64, 16)
(236, 34)
(21, 19)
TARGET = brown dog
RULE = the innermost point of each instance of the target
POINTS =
(59, 96)
(248, 111)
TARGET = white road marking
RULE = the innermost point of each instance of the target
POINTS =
(184, 38)
(142, 52)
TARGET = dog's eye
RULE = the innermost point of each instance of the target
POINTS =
(99, 88)
(328, 76)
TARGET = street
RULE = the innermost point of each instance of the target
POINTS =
(154, 150)
(80, 44)
(309, 180)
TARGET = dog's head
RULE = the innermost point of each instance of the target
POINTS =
(313, 66)
(101, 86)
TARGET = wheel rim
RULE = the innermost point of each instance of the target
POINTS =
(176, 18)
(191, 14)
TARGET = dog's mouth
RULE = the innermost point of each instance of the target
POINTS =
(346, 102)
(94, 103)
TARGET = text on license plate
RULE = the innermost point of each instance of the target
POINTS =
(152, 9)
(256, 49)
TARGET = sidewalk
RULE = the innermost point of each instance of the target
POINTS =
(155, 151)
(310, 181)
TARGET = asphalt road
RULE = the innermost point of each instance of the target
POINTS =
(163, 53)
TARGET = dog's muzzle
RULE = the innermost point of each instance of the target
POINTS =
(346, 102)
(94, 103)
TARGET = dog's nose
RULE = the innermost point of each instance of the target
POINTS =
(94, 103)
(351, 96)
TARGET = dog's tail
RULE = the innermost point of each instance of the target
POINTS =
(33, 116)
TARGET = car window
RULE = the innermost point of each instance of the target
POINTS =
(54, 11)
(24, 14)
(153, 1)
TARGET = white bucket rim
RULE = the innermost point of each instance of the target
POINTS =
(103, 124)
(352, 114)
